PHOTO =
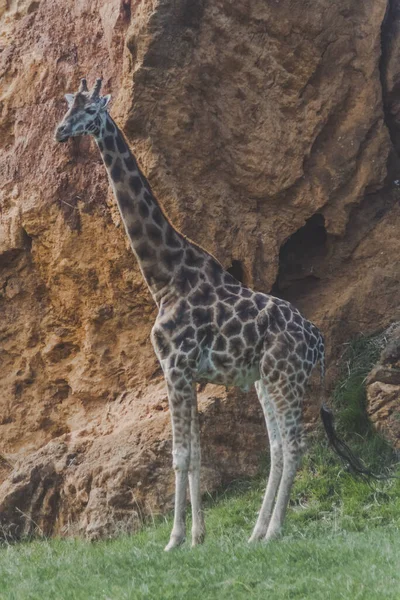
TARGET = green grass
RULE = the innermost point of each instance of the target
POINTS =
(341, 541)
(341, 537)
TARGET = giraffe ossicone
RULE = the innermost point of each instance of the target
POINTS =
(209, 328)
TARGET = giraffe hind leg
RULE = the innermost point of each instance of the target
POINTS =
(287, 402)
(198, 527)
(276, 456)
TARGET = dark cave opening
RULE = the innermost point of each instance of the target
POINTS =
(300, 259)
(237, 270)
(27, 240)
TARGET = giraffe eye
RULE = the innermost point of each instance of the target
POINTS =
(90, 111)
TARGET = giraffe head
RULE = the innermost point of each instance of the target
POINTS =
(84, 112)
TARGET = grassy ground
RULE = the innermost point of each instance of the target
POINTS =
(341, 538)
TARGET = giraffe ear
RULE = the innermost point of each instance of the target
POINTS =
(104, 102)
(69, 98)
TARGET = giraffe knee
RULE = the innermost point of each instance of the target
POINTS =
(295, 441)
(180, 460)
(299, 449)
(295, 452)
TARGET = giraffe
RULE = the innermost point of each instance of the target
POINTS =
(210, 328)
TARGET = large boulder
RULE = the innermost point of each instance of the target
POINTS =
(383, 388)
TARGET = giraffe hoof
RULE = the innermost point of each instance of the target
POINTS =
(272, 535)
(173, 543)
(255, 537)
(198, 538)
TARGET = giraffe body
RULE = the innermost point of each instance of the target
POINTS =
(209, 328)
(235, 338)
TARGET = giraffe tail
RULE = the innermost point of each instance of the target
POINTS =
(342, 449)
(338, 445)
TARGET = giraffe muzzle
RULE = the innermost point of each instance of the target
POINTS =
(61, 134)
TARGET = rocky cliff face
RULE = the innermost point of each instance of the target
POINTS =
(268, 132)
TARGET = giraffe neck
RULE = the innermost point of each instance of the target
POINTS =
(158, 247)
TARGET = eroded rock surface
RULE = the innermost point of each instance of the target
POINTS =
(250, 119)
(105, 478)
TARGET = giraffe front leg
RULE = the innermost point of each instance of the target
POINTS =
(198, 527)
(180, 401)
